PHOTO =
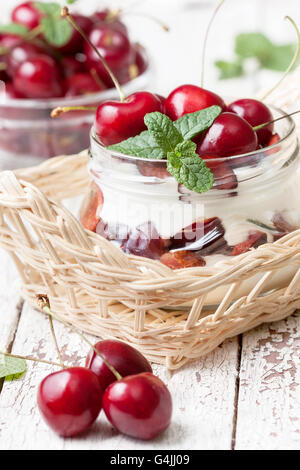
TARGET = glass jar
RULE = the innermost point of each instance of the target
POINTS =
(139, 206)
(28, 133)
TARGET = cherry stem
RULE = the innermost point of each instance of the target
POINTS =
(206, 38)
(164, 26)
(29, 358)
(44, 304)
(56, 112)
(293, 62)
(55, 342)
(65, 14)
(257, 128)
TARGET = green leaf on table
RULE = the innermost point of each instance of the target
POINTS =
(163, 131)
(49, 8)
(229, 69)
(11, 366)
(192, 124)
(143, 146)
(249, 45)
(189, 169)
(57, 31)
(14, 28)
(70, 2)
(279, 57)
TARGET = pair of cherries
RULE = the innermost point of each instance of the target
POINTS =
(139, 404)
(38, 70)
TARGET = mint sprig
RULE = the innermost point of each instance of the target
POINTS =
(189, 169)
(11, 366)
(170, 140)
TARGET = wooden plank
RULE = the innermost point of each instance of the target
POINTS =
(269, 395)
(203, 394)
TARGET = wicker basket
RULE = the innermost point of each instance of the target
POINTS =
(98, 288)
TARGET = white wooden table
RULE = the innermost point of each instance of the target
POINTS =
(245, 395)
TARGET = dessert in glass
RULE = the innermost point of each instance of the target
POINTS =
(138, 205)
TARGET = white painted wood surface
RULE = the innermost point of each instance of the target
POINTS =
(238, 397)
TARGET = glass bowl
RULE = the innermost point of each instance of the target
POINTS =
(28, 133)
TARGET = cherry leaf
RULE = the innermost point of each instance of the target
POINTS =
(10, 366)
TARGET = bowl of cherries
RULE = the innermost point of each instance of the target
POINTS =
(45, 63)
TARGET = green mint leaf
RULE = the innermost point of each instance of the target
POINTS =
(252, 45)
(52, 9)
(143, 146)
(279, 57)
(163, 131)
(189, 169)
(229, 69)
(57, 31)
(192, 124)
(11, 366)
(70, 2)
(14, 28)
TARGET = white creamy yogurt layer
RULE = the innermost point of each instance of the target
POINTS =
(135, 203)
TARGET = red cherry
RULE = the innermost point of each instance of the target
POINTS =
(20, 53)
(75, 43)
(144, 241)
(229, 135)
(81, 84)
(38, 78)
(113, 45)
(27, 15)
(70, 400)
(71, 65)
(188, 99)
(117, 121)
(139, 406)
(254, 240)
(255, 112)
(124, 358)
(182, 259)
